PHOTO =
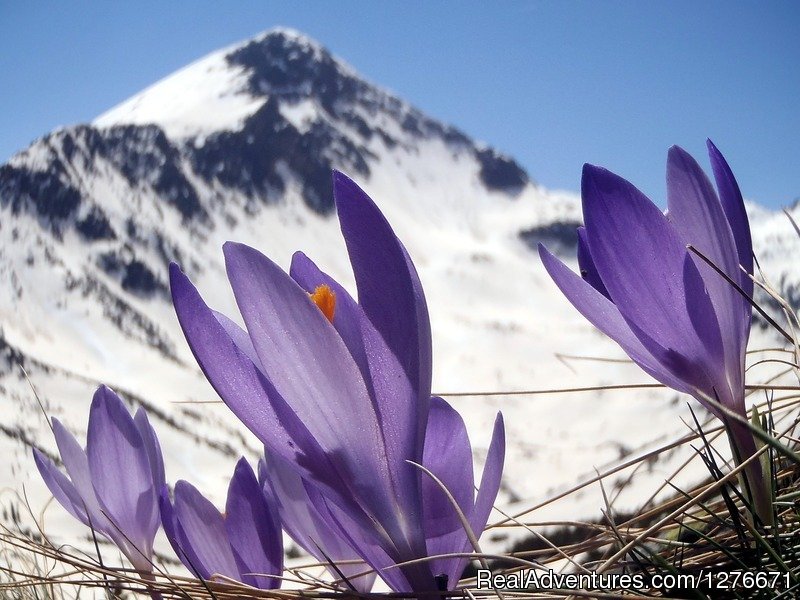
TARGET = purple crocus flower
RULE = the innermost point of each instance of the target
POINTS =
(338, 389)
(112, 485)
(244, 544)
(674, 315)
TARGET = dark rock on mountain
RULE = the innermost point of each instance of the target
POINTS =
(49, 194)
(146, 155)
(249, 160)
(95, 226)
(500, 172)
(560, 237)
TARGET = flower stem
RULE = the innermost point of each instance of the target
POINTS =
(149, 577)
(754, 483)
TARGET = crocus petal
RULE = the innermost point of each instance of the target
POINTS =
(698, 216)
(603, 314)
(306, 360)
(448, 455)
(733, 204)
(229, 370)
(60, 486)
(640, 258)
(696, 212)
(586, 264)
(115, 447)
(152, 446)
(389, 289)
(706, 322)
(391, 295)
(172, 529)
(77, 465)
(240, 338)
(203, 528)
(181, 545)
(491, 478)
(254, 530)
(307, 519)
(458, 541)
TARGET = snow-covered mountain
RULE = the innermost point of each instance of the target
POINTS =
(240, 145)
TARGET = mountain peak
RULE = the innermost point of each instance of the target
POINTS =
(287, 63)
(245, 113)
(290, 38)
(221, 90)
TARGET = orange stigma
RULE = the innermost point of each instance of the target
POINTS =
(325, 299)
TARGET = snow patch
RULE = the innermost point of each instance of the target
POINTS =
(300, 114)
(205, 97)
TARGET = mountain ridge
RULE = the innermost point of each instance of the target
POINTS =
(275, 74)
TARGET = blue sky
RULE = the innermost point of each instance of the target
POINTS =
(554, 84)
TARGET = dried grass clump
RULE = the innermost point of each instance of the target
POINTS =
(706, 529)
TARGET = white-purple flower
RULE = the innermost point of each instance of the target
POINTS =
(112, 485)
(337, 389)
(672, 313)
(245, 543)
